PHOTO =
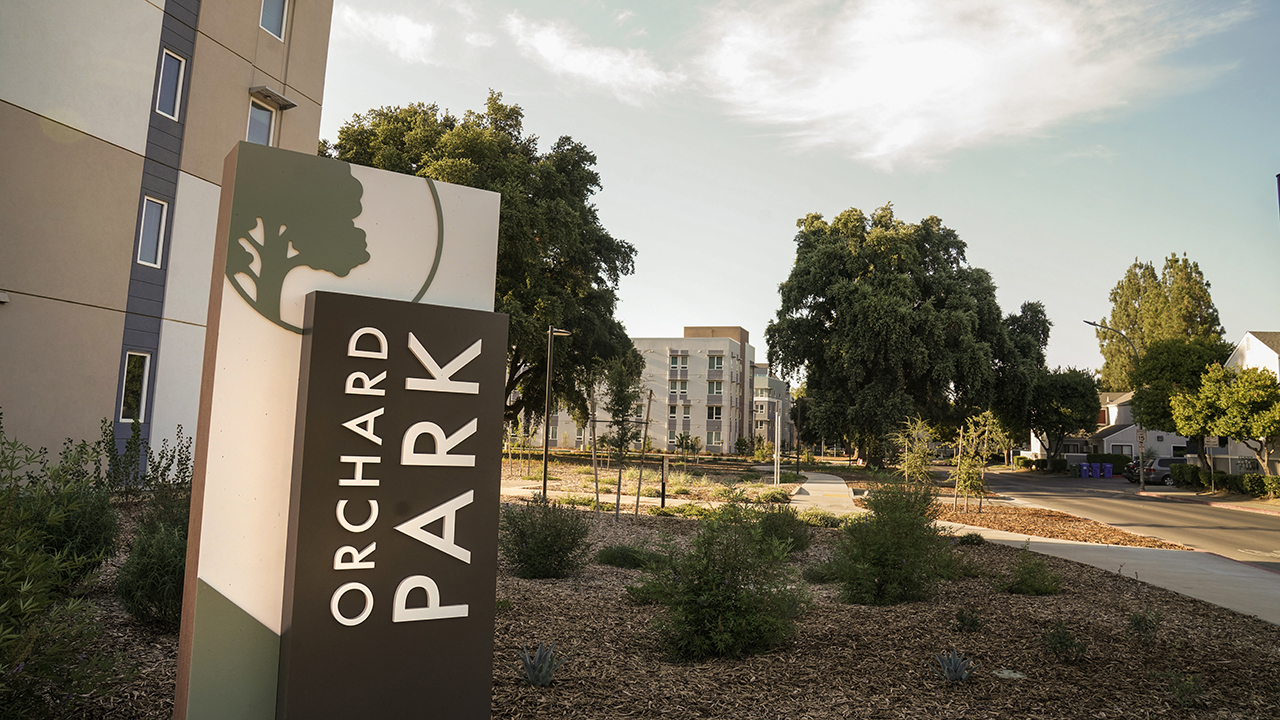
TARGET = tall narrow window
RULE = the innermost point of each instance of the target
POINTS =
(169, 86)
(134, 397)
(261, 119)
(273, 17)
(151, 231)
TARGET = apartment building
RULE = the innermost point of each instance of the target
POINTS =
(698, 384)
(117, 116)
(771, 405)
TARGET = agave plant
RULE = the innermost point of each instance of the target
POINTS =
(953, 666)
(540, 667)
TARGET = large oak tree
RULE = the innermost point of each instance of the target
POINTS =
(557, 264)
(887, 321)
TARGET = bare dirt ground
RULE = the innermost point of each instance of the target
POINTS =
(846, 661)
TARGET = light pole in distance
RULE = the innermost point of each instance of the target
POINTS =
(552, 332)
(1142, 433)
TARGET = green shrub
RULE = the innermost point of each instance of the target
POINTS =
(896, 553)
(1021, 463)
(1186, 690)
(47, 664)
(790, 477)
(783, 524)
(1057, 465)
(1063, 645)
(1231, 483)
(1117, 460)
(1185, 475)
(730, 594)
(1261, 485)
(1145, 625)
(817, 517)
(972, 538)
(1039, 464)
(968, 620)
(542, 539)
(1031, 576)
(823, 573)
(626, 556)
(150, 581)
(774, 495)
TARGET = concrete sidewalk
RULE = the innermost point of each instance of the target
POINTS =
(1205, 576)
(1189, 495)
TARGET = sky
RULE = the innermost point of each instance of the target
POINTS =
(1061, 139)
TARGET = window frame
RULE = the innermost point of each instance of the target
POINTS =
(715, 412)
(284, 18)
(715, 387)
(715, 362)
(271, 126)
(714, 438)
(177, 91)
(142, 227)
(671, 412)
(142, 391)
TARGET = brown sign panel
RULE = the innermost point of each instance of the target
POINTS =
(392, 556)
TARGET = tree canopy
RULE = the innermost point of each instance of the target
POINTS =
(887, 321)
(1063, 403)
(557, 265)
(1148, 308)
(1240, 404)
(1169, 367)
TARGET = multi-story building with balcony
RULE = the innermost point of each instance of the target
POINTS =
(699, 384)
(771, 405)
(117, 117)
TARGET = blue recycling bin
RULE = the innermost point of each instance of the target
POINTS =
(1084, 470)
(1097, 469)
(1106, 470)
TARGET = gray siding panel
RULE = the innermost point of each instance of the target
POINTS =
(145, 303)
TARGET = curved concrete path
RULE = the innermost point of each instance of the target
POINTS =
(1205, 576)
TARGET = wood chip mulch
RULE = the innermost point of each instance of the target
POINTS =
(845, 661)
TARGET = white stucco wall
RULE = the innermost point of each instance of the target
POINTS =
(90, 65)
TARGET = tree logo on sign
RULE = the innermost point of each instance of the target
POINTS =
(291, 210)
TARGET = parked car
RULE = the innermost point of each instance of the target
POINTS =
(1158, 470)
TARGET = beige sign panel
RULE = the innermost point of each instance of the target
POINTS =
(289, 224)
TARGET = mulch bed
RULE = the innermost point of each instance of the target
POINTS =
(853, 661)
(846, 661)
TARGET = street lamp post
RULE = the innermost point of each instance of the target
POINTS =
(1142, 433)
(552, 332)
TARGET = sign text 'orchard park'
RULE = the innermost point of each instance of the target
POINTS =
(390, 573)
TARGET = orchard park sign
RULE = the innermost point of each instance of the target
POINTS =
(389, 578)
(298, 555)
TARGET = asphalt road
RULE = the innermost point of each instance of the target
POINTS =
(1249, 537)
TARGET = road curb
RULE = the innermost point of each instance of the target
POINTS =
(1229, 506)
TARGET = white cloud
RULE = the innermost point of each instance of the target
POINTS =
(479, 39)
(892, 81)
(403, 36)
(622, 16)
(629, 74)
